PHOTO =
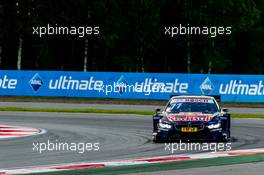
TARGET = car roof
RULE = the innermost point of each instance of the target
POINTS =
(193, 96)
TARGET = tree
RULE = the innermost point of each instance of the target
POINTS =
(132, 36)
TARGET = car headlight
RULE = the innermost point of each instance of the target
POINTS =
(214, 126)
(164, 125)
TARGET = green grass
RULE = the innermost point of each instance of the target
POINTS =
(110, 100)
(83, 110)
(107, 111)
(248, 116)
(164, 166)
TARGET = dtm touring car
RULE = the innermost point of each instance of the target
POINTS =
(188, 118)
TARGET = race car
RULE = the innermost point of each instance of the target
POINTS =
(189, 118)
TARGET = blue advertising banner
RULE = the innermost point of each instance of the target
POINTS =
(232, 88)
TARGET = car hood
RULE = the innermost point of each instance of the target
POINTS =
(190, 116)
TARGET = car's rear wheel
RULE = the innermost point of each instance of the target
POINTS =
(226, 136)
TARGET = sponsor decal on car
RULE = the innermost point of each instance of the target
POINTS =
(189, 117)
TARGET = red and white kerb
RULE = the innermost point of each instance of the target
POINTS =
(7, 131)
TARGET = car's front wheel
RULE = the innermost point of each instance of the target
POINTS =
(155, 138)
(226, 136)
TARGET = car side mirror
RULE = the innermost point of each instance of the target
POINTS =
(158, 110)
(225, 110)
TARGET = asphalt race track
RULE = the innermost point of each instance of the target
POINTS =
(120, 137)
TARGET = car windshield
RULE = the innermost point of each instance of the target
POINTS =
(190, 105)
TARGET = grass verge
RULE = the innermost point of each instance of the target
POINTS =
(113, 101)
(83, 110)
(221, 161)
(107, 111)
(248, 116)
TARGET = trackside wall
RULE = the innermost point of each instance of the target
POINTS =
(232, 88)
